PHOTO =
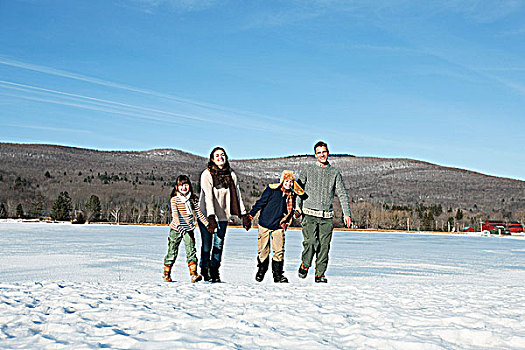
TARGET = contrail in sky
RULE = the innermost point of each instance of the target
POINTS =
(92, 80)
(108, 106)
(98, 101)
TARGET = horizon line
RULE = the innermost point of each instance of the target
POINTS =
(259, 158)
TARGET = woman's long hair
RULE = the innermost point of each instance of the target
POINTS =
(223, 175)
(212, 163)
(181, 180)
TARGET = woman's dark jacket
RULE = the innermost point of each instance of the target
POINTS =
(272, 205)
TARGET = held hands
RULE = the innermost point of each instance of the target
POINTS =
(348, 221)
(212, 224)
(247, 222)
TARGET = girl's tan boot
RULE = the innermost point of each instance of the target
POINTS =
(166, 275)
(195, 277)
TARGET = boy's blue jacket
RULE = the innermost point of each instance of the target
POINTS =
(272, 205)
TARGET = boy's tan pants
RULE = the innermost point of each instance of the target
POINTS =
(263, 243)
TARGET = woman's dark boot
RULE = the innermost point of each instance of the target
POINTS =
(263, 267)
(214, 274)
(277, 270)
(205, 272)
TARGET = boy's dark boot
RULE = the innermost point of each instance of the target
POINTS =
(303, 271)
(263, 267)
(166, 274)
(205, 272)
(320, 279)
(214, 275)
(277, 270)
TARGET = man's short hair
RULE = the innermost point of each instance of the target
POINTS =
(320, 144)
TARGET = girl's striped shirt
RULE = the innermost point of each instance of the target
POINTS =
(183, 212)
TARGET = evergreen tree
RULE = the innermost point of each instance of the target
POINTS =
(145, 214)
(437, 210)
(79, 218)
(19, 211)
(62, 207)
(94, 209)
(38, 204)
(19, 183)
(450, 222)
(428, 221)
(459, 215)
(3, 211)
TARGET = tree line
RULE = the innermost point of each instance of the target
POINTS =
(366, 214)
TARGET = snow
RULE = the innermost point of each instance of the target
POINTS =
(99, 286)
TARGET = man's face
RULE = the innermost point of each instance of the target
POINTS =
(321, 153)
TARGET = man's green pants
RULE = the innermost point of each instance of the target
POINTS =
(174, 239)
(317, 235)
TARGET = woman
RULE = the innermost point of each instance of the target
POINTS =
(220, 198)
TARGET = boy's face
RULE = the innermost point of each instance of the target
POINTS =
(321, 153)
(183, 189)
(287, 184)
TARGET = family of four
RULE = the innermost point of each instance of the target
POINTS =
(310, 196)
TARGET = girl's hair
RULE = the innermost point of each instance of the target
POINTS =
(181, 180)
(211, 163)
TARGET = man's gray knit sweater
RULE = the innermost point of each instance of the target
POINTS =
(320, 184)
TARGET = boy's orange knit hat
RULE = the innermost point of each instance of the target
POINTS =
(288, 175)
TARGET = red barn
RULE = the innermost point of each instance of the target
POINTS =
(497, 226)
(515, 227)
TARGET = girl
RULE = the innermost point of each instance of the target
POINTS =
(219, 199)
(185, 212)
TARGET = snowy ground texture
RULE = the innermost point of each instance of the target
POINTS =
(99, 286)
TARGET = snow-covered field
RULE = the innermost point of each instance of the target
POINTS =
(99, 286)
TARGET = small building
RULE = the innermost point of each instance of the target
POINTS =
(502, 227)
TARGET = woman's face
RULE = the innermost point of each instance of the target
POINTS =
(287, 184)
(219, 158)
(183, 189)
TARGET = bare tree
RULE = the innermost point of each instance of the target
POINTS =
(115, 213)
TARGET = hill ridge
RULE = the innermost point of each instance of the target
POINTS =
(144, 178)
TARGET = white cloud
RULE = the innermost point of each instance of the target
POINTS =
(181, 6)
(482, 11)
(47, 128)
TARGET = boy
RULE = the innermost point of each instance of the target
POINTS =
(277, 205)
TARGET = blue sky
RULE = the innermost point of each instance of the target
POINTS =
(440, 81)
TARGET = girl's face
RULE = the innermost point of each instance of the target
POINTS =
(183, 189)
(219, 158)
(287, 184)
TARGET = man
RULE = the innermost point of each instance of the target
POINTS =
(320, 181)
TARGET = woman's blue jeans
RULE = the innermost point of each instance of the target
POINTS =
(212, 244)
